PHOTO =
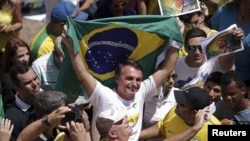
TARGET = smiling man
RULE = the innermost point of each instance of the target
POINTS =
(234, 106)
(131, 90)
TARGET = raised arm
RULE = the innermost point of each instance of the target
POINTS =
(227, 61)
(88, 81)
(168, 66)
(33, 130)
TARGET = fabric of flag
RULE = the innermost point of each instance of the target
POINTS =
(103, 43)
(1, 107)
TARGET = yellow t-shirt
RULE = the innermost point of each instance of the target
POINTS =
(6, 18)
(173, 124)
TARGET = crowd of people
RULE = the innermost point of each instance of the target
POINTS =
(178, 96)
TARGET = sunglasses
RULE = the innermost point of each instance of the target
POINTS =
(173, 76)
(193, 48)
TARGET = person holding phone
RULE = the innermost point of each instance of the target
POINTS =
(50, 110)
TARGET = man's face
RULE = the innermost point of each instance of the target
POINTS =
(123, 130)
(117, 7)
(214, 91)
(170, 82)
(186, 113)
(195, 55)
(232, 95)
(29, 86)
(179, 3)
(128, 83)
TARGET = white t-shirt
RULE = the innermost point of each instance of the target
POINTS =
(104, 97)
(156, 108)
(189, 76)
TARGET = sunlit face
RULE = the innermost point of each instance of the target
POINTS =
(195, 57)
(29, 86)
(214, 91)
(232, 95)
(21, 57)
(128, 83)
(123, 130)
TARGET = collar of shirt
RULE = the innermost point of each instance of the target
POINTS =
(22, 105)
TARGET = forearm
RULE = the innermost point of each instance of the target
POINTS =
(87, 80)
(86, 5)
(32, 131)
(150, 132)
(167, 67)
(142, 7)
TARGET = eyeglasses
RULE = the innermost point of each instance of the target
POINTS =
(193, 48)
(173, 76)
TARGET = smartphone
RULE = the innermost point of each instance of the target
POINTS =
(69, 116)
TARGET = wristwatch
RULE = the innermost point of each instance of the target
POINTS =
(45, 120)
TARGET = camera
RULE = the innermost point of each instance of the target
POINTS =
(74, 115)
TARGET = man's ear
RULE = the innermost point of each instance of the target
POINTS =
(112, 134)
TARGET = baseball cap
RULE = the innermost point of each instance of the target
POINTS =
(194, 97)
(63, 9)
(107, 118)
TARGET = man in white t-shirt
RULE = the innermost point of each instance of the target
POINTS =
(130, 91)
(193, 69)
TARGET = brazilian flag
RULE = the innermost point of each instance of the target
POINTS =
(103, 43)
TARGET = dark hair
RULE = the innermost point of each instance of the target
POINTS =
(18, 69)
(194, 32)
(120, 66)
(214, 77)
(10, 51)
(199, 13)
(228, 77)
(47, 101)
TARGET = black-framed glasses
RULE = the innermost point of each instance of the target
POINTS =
(173, 76)
(193, 48)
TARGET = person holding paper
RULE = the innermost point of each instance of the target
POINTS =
(193, 69)
(236, 12)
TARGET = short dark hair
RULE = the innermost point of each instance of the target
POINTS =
(214, 77)
(18, 69)
(228, 77)
(194, 32)
(121, 65)
(47, 101)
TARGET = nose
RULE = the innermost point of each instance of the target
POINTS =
(26, 59)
